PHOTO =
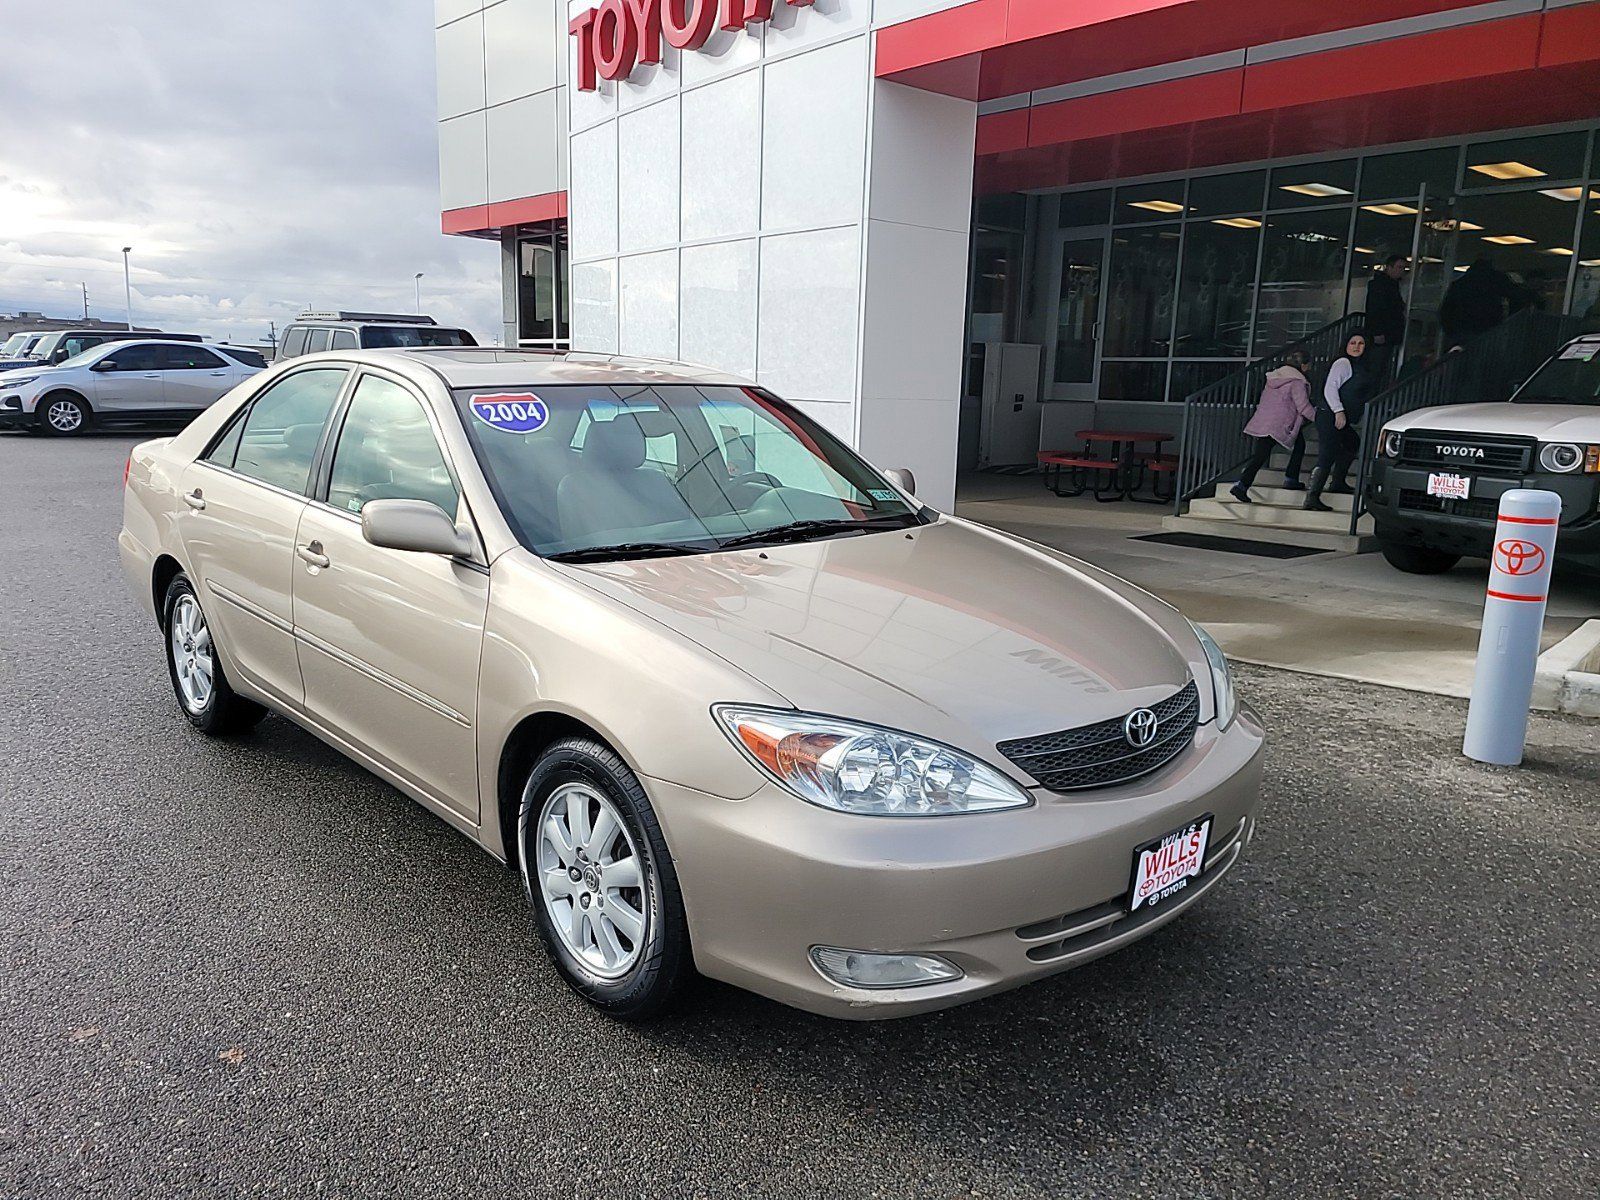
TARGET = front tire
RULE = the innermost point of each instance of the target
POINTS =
(596, 870)
(1417, 560)
(62, 414)
(203, 691)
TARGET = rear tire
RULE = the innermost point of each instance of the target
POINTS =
(593, 860)
(203, 691)
(1418, 560)
(63, 414)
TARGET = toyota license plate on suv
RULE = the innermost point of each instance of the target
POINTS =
(1450, 487)
(1164, 867)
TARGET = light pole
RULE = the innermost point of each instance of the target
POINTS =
(418, 282)
(127, 285)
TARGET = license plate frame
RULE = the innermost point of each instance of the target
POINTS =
(1190, 868)
(1447, 485)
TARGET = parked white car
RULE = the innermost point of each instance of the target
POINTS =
(121, 383)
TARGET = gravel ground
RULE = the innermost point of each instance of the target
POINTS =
(252, 968)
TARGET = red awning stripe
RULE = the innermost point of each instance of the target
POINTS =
(480, 218)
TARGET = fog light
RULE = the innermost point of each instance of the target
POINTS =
(864, 969)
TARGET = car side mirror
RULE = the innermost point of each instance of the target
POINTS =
(903, 479)
(414, 525)
(105, 364)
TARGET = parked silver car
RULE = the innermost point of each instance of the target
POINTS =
(120, 383)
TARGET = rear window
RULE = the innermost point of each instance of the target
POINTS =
(248, 357)
(394, 337)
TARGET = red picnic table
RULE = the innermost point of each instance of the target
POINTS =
(1122, 468)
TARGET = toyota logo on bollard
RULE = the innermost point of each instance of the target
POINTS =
(1517, 557)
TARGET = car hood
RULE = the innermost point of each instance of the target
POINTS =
(1547, 422)
(951, 631)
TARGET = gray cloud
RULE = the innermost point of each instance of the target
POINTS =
(257, 158)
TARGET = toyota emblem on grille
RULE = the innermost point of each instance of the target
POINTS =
(1140, 727)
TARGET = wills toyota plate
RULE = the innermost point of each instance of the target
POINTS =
(1450, 487)
(1165, 867)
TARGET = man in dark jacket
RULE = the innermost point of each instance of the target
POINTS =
(1477, 302)
(1386, 313)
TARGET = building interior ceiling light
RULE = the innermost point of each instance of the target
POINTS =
(1509, 239)
(1316, 189)
(1559, 250)
(1238, 222)
(1160, 206)
(1390, 210)
(1509, 170)
(1566, 193)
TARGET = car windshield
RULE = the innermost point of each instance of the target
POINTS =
(1571, 377)
(630, 471)
(395, 337)
(13, 345)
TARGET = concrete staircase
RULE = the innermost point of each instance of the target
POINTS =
(1275, 515)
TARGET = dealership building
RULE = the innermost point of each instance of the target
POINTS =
(957, 232)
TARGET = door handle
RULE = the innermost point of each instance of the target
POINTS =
(151, 375)
(312, 554)
(194, 499)
(218, 374)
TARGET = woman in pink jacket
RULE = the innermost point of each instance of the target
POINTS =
(1284, 408)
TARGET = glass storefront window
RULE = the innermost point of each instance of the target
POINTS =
(541, 285)
(1385, 176)
(1307, 184)
(1084, 208)
(1302, 276)
(1133, 380)
(1217, 287)
(996, 280)
(1527, 234)
(1149, 202)
(1586, 286)
(1189, 377)
(1219, 195)
(1144, 267)
(1516, 161)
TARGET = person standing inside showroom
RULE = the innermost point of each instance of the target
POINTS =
(1349, 386)
(1386, 313)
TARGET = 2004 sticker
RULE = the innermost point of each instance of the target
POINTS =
(509, 412)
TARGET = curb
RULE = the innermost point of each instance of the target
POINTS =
(1568, 676)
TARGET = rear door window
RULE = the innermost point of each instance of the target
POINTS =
(189, 358)
(281, 432)
(318, 341)
(343, 339)
(294, 342)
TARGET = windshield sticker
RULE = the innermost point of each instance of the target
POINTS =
(882, 494)
(510, 412)
(1582, 351)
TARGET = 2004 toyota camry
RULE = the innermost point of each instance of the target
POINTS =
(732, 699)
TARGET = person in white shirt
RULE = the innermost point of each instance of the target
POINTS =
(1350, 384)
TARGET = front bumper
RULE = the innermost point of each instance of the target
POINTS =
(1403, 512)
(1008, 897)
(12, 415)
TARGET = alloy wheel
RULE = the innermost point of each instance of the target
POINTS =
(192, 659)
(64, 416)
(591, 880)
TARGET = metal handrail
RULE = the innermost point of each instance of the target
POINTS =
(1214, 444)
(1488, 368)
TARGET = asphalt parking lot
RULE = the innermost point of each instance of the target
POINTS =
(252, 968)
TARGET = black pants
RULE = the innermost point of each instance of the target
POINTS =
(1297, 457)
(1336, 448)
(1258, 459)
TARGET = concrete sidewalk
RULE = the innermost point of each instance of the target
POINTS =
(1350, 616)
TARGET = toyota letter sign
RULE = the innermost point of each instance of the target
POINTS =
(617, 35)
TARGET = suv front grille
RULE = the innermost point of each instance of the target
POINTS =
(1471, 510)
(1443, 450)
(1100, 755)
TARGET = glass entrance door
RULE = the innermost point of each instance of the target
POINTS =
(1074, 345)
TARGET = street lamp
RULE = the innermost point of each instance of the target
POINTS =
(418, 282)
(127, 285)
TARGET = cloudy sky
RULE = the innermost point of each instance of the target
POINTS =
(257, 157)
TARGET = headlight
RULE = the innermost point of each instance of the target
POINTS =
(17, 380)
(1564, 458)
(1221, 677)
(1391, 443)
(864, 769)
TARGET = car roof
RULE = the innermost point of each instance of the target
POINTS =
(491, 366)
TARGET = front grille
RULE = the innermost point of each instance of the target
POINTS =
(1465, 452)
(1100, 755)
(1471, 510)
(1079, 932)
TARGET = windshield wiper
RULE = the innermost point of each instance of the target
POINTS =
(805, 531)
(625, 550)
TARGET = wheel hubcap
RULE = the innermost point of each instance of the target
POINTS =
(591, 879)
(192, 658)
(64, 416)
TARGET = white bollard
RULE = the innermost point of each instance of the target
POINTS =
(1513, 619)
